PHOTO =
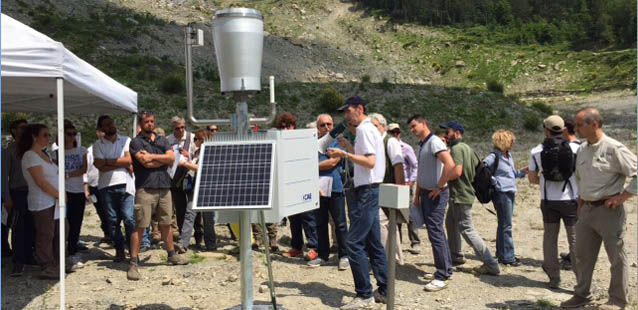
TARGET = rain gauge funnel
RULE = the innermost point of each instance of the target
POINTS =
(238, 34)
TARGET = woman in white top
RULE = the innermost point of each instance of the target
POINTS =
(41, 175)
(74, 169)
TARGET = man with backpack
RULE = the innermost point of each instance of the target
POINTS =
(458, 221)
(551, 165)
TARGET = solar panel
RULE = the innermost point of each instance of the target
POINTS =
(235, 175)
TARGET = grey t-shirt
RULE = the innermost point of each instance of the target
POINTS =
(430, 167)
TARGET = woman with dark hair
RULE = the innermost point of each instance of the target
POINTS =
(41, 175)
(74, 169)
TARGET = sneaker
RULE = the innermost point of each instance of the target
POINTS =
(378, 298)
(178, 259)
(81, 246)
(344, 263)
(311, 255)
(428, 276)
(554, 283)
(317, 262)
(106, 240)
(435, 285)
(360, 303)
(74, 262)
(575, 302)
(458, 261)
(293, 253)
(133, 274)
(50, 273)
(515, 263)
(120, 256)
(485, 269)
(18, 270)
(414, 249)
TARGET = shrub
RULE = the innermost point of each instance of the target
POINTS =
(386, 85)
(543, 107)
(172, 84)
(330, 100)
(365, 78)
(531, 122)
(495, 86)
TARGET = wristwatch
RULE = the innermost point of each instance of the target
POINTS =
(346, 156)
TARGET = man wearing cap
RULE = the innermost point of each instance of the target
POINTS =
(458, 221)
(432, 194)
(558, 198)
(409, 172)
(368, 157)
(602, 167)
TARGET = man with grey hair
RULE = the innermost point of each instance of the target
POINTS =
(394, 174)
(183, 142)
(602, 167)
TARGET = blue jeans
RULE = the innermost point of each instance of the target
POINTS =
(335, 207)
(300, 224)
(365, 235)
(119, 207)
(504, 205)
(433, 217)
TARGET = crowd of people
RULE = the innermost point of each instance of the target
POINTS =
(581, 182)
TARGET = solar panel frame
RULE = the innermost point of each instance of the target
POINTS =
(237, 194)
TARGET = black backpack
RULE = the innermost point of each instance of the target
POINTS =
(558, 160)
(482, 183)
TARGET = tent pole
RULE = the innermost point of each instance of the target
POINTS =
(134, 134)
(61, 189)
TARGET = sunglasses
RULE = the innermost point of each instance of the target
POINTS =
(197, 139)
(213, 129)
(325, 124)
(180, 127)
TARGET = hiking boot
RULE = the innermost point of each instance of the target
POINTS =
(575, 302)
(311, 255)
(179, 248)
(435, 285)
(379, 298)
(178, 259)
(18, 270)
(120, 256)
(485, 269)
(317, 262)
(344, 263)
(293, 253)
(360, 303)
(133, 274)
(515, 263)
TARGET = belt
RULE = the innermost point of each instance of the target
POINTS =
(366, 186)
(600, 202)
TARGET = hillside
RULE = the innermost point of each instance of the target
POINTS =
(310, 45)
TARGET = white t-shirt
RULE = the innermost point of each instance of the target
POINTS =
(394, 150)
(105, 149)
(73, 160)
(92, 174)
(554, 189)
(37, 199)
(368, 141)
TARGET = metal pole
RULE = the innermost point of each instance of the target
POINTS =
(392, 236)
(61, 189)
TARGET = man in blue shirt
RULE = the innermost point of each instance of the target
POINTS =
(330, 205)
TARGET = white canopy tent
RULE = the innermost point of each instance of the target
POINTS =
(40, 75)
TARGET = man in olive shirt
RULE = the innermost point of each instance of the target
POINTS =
(458, 221)
(602, 167)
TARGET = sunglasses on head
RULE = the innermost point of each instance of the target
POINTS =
(146, 112)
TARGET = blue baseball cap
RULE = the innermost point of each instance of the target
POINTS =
(455, 125)
(352, 101)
